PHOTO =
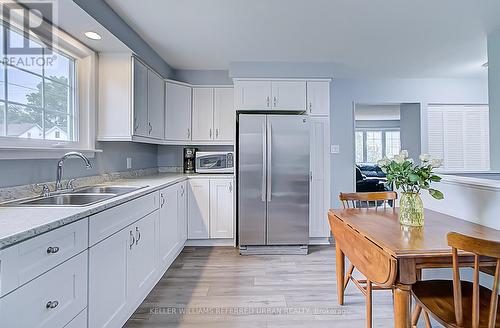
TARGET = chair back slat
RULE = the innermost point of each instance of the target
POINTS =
(368, 199)
(479, 247)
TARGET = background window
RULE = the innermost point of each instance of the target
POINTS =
(373, 145)
(36, 100)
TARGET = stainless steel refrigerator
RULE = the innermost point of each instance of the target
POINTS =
(273, 183)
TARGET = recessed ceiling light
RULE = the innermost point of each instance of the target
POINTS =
(485, 65)
(93, 35)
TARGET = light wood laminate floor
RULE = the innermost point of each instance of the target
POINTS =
(216, 287)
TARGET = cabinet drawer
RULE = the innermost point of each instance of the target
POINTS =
(52, 300)
(106, 223)
(25, 261)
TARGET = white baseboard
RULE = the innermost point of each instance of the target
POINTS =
(320, 241)
(210, 242)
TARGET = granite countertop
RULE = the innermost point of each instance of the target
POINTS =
(20, 223)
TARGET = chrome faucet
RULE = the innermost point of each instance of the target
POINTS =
(61, 162)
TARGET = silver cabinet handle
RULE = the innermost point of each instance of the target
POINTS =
(132, 240)
(269, 160)
(150, 127)
(189, 133)
(162, 200)
(51, 304)
(268, 101)
(138, 235)
(210, 133)
(136, 124)
(275, 101)
(217, 133)
(264, 163)
(310, 106)
(230, 186)
(52, 250)
(182, 190)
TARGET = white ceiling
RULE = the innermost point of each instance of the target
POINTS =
(365, 38)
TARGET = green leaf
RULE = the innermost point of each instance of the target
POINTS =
(413, 177)
(436, 194)
(435, 178)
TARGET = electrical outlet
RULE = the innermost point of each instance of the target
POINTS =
(129, 162)
(335, 149)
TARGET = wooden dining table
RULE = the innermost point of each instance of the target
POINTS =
(392, 255)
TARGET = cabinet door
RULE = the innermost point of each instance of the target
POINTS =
(320, 179)
(203, 109)
(221, 208)
(143, 265)
(182, 212)
(289, 95)
(108, 262)
(253, 95)
(198, 208)
(168, 224)
(156, 105)
(178, 112)
(224, 114)
(140, 92)
(318, 98)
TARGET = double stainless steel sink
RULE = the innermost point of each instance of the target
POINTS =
(80, 197)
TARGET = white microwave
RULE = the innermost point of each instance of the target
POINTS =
(214, 162)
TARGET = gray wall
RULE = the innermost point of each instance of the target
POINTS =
(108, 18)
(112, 159)
(411, 138)
(203, 77)
(494, 92)
(345, 92)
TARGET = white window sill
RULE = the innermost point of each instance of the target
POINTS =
(41, 153)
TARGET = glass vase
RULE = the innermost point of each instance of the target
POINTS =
(411, 209)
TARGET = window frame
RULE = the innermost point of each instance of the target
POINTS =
(383, 131)
(84, 100)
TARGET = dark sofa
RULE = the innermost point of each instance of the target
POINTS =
(370, 178)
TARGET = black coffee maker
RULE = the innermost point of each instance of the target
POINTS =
(189, 159)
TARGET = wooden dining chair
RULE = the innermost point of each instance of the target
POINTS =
(456, 303)
(371, 201)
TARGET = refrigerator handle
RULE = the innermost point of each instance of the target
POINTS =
(269, 160)
(264, 161)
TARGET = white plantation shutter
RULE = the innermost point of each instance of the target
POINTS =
(459, 134)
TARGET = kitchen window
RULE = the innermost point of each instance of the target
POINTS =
(373, 145)
(46, 94)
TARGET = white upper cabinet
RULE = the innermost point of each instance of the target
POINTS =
(252, 95)
(203, 108)
(318, 98)
(156, 106)
(213, 114)
(288, 95)
(224, 114)
(140, 102)
(221, 208)
(177, 112)
(270, 95)
(131, 100)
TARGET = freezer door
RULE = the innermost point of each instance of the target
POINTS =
(287, 180)
(252, 179)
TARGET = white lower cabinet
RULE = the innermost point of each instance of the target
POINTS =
(168, 224)
(51, 300)
(221, 208)
(210, 208)
(182, 211)
(122, 270)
